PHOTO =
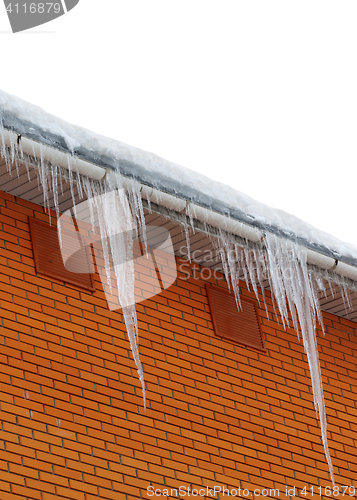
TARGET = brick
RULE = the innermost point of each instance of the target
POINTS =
(13, 479)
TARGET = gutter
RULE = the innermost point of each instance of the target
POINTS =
(24, 137)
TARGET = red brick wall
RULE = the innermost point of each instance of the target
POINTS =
(72, 420)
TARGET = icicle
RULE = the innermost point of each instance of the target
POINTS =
(319, 283)
(54, 175)
(246, 269)
(251, 266)
(138, 212)
(191, 214)
(223, 248)
(116, 227)
(70, 178)
(228, 258)
(121, 244)
(233, 270)
(131, 324)
(148, 199)
(345, 297)
(3, 150)
(289, 281)
(260, 269)
(13, 147)
(187, 235)
(43, 179)
(332, 289)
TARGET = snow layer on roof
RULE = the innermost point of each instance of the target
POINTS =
(75, 136)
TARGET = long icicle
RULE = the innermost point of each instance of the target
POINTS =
(293, 285)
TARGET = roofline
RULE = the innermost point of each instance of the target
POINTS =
(89, 159)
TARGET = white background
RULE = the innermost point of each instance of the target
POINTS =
(260, 95)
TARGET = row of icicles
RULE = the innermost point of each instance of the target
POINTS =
(280, 261)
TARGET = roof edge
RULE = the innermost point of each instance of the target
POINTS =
(95, 164)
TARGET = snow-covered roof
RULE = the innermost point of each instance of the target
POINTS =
(31, 121)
